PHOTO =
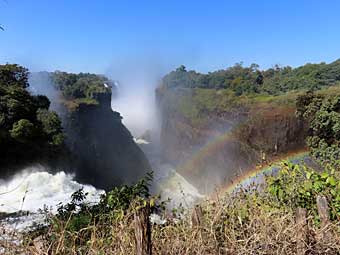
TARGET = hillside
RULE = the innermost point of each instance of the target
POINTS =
(219, 124)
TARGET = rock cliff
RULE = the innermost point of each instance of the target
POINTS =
(227, 142)
(103, 149)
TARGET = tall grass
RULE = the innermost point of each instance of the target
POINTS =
(239, 225)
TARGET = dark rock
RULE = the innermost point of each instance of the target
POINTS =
(105, 153)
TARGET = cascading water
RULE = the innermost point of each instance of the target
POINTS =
(34, 188)
(168, 183)
(137, 106)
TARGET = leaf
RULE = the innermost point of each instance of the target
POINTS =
(280, 193)
(308, 185)
(152, 202)
(308, 175)
(330, 180)
(324, 175)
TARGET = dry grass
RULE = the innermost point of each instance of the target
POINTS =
(239, 225)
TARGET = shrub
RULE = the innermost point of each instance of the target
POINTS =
(22, 131)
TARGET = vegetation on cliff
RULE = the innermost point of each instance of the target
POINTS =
(239, 87)
(28, 129)
(82, 88)
(322, 113)
(104, 152)
(236, 86)
(263, 114)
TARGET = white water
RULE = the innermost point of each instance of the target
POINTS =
(170, 184)
(33, 188)
(167, 181)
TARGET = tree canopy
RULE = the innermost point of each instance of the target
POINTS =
(25, 119)
(322, 114)
(249, 80)
(82, 85)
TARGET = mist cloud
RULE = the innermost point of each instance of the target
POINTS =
(137, 79)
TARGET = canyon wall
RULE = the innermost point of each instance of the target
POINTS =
(104, 152)
(226, 143)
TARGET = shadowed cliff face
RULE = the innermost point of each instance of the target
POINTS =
(104, 151)
(226, 144)
(273, 130)
(100, 149)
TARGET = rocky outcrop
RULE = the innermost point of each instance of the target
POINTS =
(273, 130)
(103, 149)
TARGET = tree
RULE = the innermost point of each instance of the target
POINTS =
(181, 68)
(25, 121)
(22, 131)
(259, 78)
(14, 75)
(51, 126)
(322, 115)
(42, 102)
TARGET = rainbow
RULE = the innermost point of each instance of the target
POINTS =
(216, 144)
(260, 171)
(212, 147)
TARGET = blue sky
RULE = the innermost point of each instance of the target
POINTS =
(97, 36)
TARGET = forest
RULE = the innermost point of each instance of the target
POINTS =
(252, 80)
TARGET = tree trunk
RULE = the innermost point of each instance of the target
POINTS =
(143, 231)
(301, 237)
(323, 212)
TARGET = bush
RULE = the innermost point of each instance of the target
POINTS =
(322, 115)
(298, 186)
(22, 131)
(51, 126)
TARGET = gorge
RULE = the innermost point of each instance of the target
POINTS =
(207, 136)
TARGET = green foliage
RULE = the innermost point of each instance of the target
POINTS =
(51, 126)
(298, 186)
(119, 198)
(252, 80)
(197, 105)
(42, 102)
(241, 80)
(80, 86)
(322, 115)
(22, 131)
(113, 204)
(13, 75)
(25, 121)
